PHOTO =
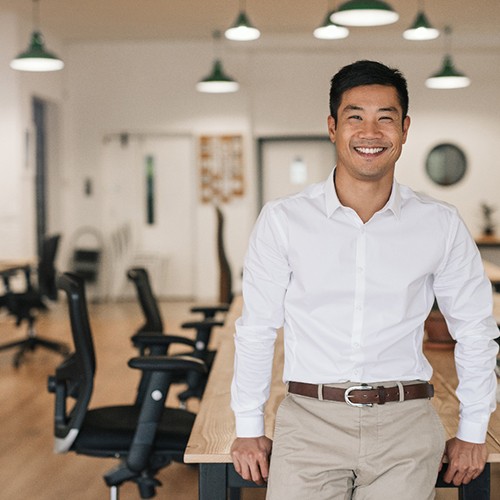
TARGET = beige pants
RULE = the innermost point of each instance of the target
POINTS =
(327, 450)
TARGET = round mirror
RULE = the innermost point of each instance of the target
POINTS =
(446, 164)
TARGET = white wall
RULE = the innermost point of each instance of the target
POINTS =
(145, 87)
(17, 212)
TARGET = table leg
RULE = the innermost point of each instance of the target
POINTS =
(478, 489)
(212, 482)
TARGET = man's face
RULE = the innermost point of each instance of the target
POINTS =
(369, 132)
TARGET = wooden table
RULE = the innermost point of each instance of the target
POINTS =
(12, 266)
(213, 431)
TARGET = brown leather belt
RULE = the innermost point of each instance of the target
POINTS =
(363, 395)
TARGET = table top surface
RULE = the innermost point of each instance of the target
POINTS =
(214, 431)
(12, 265)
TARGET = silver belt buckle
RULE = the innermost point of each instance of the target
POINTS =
(348, 391)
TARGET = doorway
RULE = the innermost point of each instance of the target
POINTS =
(287, 164)
(48, 177)
(148, 206)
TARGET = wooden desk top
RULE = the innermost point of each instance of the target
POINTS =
(8, 266)
(213, 431)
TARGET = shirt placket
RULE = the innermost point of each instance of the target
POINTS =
(359, 303)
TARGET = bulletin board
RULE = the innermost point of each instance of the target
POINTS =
(221, 168)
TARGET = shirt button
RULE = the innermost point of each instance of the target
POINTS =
(356, 345)
(360, 269)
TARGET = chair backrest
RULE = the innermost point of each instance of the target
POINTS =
(74, 377)
(225, 277)
(46, 267)
(152, 315)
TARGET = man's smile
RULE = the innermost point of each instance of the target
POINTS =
(369, 151)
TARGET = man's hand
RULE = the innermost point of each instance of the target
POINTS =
(465, 461)
(251, 458)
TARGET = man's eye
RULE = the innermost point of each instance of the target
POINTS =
(355, 117)
(386, 119)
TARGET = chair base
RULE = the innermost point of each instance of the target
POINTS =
(32, 342)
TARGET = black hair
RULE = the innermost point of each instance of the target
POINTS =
(367, 73)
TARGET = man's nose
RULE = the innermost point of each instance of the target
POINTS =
(370, 129)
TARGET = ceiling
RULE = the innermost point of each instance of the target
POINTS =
(105, 20)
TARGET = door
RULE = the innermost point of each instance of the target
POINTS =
(288, 164)
(148, 212)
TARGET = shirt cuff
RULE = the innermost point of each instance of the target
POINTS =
(472, 432)
(249, 426)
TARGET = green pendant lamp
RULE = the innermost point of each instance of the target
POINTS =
(217, 82)
(448, 77)
(36, 57)
(329, 30)
(421, 28)
(365, 13)
(242, 30)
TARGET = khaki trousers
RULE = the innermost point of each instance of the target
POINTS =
(325, 450)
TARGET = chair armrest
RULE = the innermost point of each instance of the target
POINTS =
(205, 324)
(167, 363)
(210, 311)
(147, 339)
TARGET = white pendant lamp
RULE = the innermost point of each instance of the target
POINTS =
(36, 57)
(421, 28)
(365, 13)
(329, 30)
(448, 77)
(242, 30)
(217, 82)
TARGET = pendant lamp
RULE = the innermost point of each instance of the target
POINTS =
(448, 77)
(242, 30)
(365, 13)
(36, 57)
(421, 28)
(217, 82)
(329, 30)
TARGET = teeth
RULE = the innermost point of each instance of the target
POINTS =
(370, 151)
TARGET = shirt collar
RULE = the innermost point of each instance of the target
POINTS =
(332, 201)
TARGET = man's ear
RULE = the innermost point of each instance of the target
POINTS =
(406, 126)
(332, 130)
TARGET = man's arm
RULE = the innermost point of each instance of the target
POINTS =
(465, 461)
(251, 458)
(265, 280)
(465, 297)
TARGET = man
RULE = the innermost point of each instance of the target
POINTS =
(350, 268)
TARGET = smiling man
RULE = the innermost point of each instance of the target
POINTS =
(350, 268)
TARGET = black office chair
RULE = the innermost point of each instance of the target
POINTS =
(146, 437)
(25, 305)
(225, 276)
(150, 338)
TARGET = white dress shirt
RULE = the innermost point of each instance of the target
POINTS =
(353, 297)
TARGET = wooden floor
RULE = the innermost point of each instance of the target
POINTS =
(28, 467)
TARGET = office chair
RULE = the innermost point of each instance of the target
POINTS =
(225, 277)
(25, 305)
(151, 340)
(146, 437)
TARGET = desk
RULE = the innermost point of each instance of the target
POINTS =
(213, 431)
(8, 267)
